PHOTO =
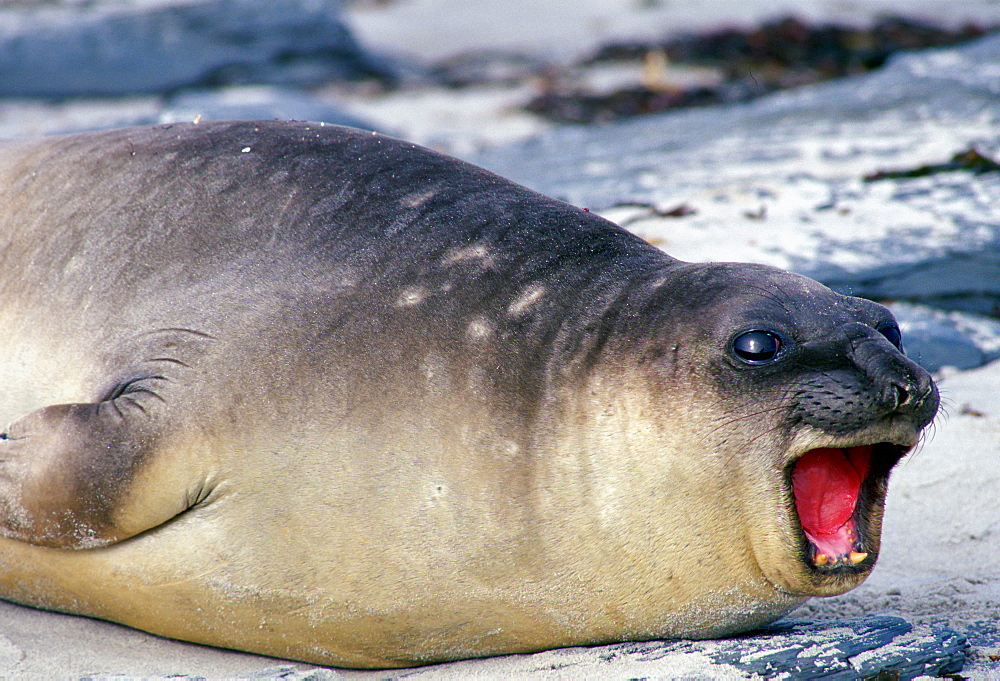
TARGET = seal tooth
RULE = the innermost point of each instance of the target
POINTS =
(821, 559)
(856, 557)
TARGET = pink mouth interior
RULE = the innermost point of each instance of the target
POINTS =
(826, 484)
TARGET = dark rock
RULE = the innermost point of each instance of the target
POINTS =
(984, 639)
(971, 159)
(848, 649)
(934, 338)
(777, 55)
(478, 68)
(113, 48)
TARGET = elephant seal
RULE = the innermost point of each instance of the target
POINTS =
(320, 394)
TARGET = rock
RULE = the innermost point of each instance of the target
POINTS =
(849, 649)
(984, 639)
(114, 47)
(935, 338)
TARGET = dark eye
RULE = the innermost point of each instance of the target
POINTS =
(891, 332)
(757, 347)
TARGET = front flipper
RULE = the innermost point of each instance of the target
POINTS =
(66, 470)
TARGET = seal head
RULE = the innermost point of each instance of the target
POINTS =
(824, 402)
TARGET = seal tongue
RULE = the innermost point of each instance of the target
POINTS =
(826, 484)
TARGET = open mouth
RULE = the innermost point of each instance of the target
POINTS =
(836, 492)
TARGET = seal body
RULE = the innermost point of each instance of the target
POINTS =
(313, 393)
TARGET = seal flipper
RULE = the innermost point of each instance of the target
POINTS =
(65, 470)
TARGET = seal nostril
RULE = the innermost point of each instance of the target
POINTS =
(902, 396)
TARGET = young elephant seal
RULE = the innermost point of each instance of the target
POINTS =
(320, 394)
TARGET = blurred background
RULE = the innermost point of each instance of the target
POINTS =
(459, 75)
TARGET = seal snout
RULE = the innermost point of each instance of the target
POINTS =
(905, 389)
(871, 409)
(911, 394)
(876, 386)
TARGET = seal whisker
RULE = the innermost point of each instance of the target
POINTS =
(770, 295)
(174, 329)
(747, 443)
(750, 415)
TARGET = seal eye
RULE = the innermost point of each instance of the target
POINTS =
(757, 347)
(892, 333)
